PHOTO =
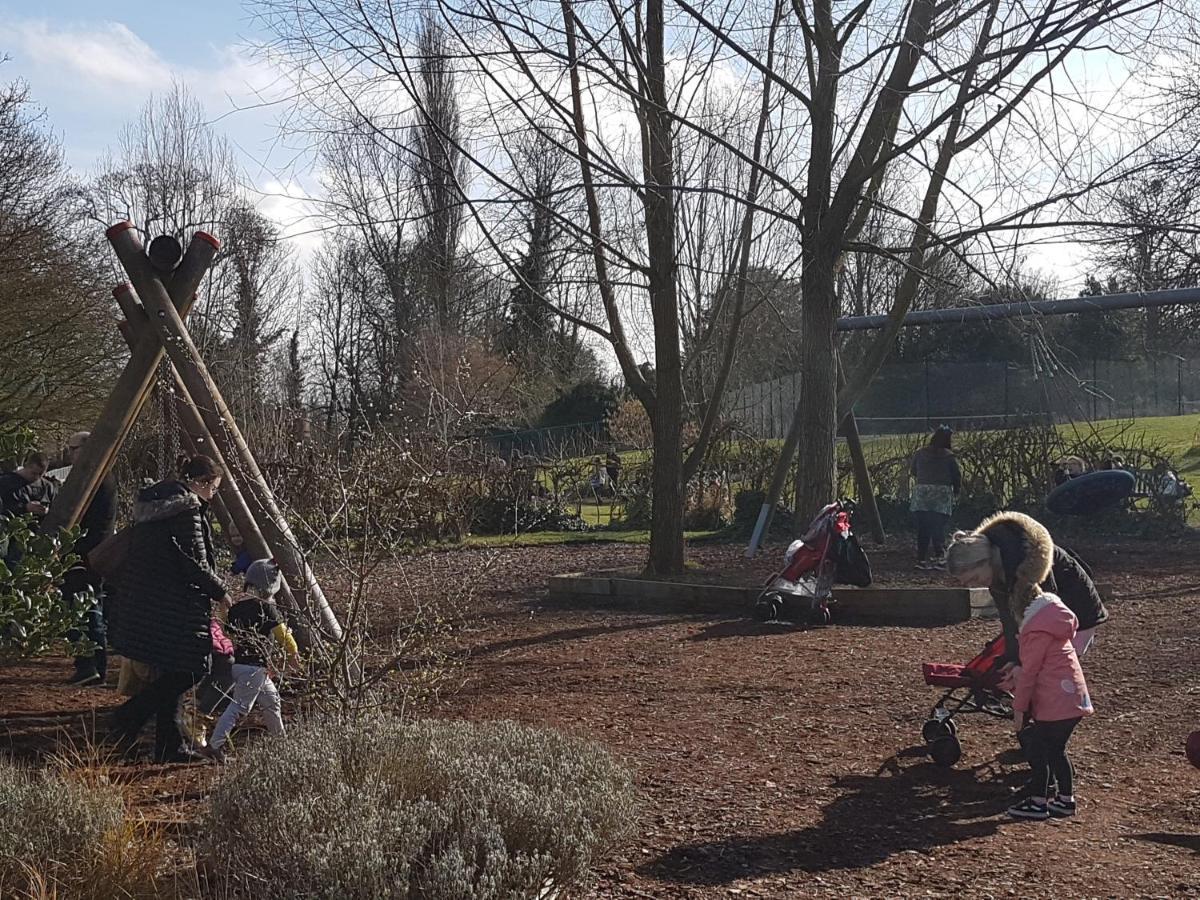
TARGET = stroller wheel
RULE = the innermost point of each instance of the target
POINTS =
(768, 608)
(826, 615)
(945, 751)
(937, 728)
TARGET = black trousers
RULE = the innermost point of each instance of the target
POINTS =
(931, 529)
(159, 700)
(1046, 749)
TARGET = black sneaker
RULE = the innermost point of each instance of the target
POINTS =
(1060, 808)
(1030, 809)
(213, 754)
(85, 678)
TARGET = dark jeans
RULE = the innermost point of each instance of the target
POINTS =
(77, 580)
(1046, 749)
(160, 700)
(931, 529)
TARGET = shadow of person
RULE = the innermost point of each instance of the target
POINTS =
(900, 808)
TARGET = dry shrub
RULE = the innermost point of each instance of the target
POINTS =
(378, 808)
(630, 426)
(54, 832)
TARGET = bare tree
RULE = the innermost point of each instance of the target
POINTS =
(341, 295)
(529, 329)
(439, 171)
(795, 118)
(172, 173)
(260, 283)
(1153, 243)
(545, 67)
(966, 106)
(58, 348)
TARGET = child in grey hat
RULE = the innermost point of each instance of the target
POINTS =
(255, 624)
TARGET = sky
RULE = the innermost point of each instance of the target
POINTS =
(92, 66)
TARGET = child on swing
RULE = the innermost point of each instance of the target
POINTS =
(254, 623)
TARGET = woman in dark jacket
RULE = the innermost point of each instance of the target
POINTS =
(1014, 556)
(167, 589)
(938, 480)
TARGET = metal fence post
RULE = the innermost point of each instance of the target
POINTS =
(1154, 381)
(1179, 384)
(1095, 388)
(927, 425)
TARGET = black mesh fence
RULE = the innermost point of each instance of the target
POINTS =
(910, 397)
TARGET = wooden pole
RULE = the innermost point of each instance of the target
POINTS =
(229, 505)
(862, 478)
(858, 460)
(219, 420)
(98, 454)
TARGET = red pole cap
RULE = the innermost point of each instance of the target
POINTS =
(114, 230)
(208, 238)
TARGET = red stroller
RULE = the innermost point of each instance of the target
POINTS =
(974, 687)
(828, 553)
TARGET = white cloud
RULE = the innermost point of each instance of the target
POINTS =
(109, 57)
(94, 77)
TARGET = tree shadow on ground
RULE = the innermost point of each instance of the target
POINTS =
(743, 628)
(914, 807)
(1186, 841)
(569, 634)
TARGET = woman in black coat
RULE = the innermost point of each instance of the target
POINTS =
(167, 588)
(1016, 558)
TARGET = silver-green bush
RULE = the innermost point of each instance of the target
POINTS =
(385, 809)
(51, 830)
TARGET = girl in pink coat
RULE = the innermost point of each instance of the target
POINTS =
(1050, 692)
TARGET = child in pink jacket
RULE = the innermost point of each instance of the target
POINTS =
(1050, 692)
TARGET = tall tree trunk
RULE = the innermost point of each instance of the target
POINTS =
(666, 529)
(816, 480)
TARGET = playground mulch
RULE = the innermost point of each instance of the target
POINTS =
(786, 763)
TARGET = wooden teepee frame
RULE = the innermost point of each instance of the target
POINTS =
(160, 293)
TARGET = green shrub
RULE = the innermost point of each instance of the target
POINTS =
(383, 809)
(585, 403)
(55, 833)
(34, 615)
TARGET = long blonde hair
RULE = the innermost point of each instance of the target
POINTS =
(969, 549)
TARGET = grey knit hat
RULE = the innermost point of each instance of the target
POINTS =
(264, 578)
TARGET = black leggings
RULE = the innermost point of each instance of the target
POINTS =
(160, 699)
(931, 529)
(1046, 748)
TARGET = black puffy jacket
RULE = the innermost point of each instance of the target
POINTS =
(169, 582)
(1071, 579)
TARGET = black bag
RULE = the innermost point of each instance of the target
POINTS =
(853, 566)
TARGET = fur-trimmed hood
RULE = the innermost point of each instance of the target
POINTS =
(163, 501)
(1024, 551)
